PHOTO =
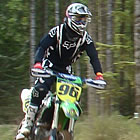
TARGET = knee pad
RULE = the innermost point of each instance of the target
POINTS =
(38, 94)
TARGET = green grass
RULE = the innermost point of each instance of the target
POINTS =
(7, 132)
(113, 127)
(107, 128)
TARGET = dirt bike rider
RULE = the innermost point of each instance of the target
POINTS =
(61, 47)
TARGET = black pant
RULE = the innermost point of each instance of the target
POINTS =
(41, 88)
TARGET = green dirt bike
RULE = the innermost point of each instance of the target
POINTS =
(62, 106)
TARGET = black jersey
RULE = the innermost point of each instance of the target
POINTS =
(62, 52)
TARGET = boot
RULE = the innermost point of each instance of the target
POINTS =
(28, 123)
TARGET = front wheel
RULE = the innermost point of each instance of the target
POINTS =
(64, 135)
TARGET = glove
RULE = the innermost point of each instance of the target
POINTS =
(38, 65)
(99, 76)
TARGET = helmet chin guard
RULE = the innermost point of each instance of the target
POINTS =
(78, 15)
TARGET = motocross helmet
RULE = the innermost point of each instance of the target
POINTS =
(77, 17)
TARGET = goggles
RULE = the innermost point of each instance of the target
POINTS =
(81, 19)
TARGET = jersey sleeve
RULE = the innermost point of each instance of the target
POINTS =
(47, 41)
(93, 55)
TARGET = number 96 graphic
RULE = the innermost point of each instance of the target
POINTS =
(69, 90)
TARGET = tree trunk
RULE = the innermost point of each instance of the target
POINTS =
(100, 98)
(46, 16)
(57, 12)
(137, 53)
(93, 98)
(109, 61)
(109, 36)
(32, 36)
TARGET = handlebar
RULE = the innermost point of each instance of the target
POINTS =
(99, 84)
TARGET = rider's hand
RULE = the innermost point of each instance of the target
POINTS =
(99, 76)
(38, 65)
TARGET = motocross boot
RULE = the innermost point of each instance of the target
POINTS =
(27, 123)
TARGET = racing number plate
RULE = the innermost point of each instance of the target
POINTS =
(67, 91)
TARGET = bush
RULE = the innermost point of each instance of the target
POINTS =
(113, 127)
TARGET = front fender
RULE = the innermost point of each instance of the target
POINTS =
(70, 110)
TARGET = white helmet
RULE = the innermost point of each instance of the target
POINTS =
(78, 15)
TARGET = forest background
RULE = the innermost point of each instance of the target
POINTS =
(115, 28)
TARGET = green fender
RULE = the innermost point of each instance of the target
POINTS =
(70, 109)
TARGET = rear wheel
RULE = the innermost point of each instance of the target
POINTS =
(64, 135)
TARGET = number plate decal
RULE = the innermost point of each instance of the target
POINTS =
(68, 91)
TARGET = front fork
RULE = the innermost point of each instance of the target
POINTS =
(71, 127)
(55, 121)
